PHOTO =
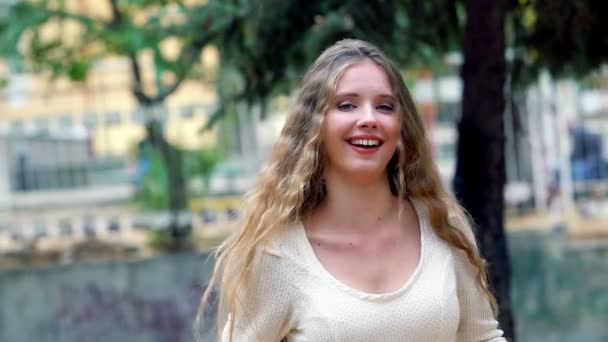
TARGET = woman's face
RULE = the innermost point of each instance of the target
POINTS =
(361, 126)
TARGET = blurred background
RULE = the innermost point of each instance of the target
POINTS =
(129, 131)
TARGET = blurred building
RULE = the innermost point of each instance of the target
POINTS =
(555, 128)
(68, 149)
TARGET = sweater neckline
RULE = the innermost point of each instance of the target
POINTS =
(316, 264)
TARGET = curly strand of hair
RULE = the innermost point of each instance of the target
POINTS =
(418, 177)
(427, 186)
(273, 203)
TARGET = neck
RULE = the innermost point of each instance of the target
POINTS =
(356, 205)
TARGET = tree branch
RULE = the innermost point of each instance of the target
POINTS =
(190, 54)
(137, 88)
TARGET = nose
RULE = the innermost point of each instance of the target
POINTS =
(368, 118)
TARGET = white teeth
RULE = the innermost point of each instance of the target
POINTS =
(366, 142)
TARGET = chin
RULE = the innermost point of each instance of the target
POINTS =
(365, 172)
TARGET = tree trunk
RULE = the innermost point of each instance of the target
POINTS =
(480, 169)
(175, 185)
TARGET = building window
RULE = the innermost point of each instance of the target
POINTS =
(114, 225)
(41, 125)
(88, 226)
(16, 236)
(112, 118)
(65, 227)
(139, 115)
(448, 112)
(65, 121)
(161, 112)
(17, 127)
(209, 109)
(187, 112)
(90, 120)
(40, 230)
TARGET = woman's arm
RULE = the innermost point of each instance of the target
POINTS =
(265, 305)
(477, 322)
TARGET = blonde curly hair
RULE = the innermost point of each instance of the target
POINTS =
(290, 185)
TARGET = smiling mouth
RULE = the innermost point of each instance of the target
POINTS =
(365, 143)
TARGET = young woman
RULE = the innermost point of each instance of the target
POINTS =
(349, 234)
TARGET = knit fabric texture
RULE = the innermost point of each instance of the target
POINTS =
(292, 295)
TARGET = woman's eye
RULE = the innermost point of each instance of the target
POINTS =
(385, 108)
(345, 106)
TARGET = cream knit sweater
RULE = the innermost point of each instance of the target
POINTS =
(291, 295)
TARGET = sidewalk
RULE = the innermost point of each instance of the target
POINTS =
(577, 226)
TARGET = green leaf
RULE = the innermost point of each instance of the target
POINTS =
(78, 70)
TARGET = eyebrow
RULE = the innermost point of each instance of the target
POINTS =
(357, 95)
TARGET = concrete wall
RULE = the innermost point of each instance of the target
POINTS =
(560, 295)
(152, 300)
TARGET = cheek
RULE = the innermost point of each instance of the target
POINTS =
(392, 127)
(335, 128)
(331, 139)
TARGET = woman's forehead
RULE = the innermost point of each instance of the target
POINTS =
(362, 77)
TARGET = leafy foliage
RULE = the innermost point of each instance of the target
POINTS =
(152, 192)
(202, 164)
(279, 39)
(266, 45)
(567, 38)
(152, 187)
(51, 37)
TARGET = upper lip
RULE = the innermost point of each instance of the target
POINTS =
(365, 136)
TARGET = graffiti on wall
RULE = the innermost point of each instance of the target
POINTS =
(95, 312)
